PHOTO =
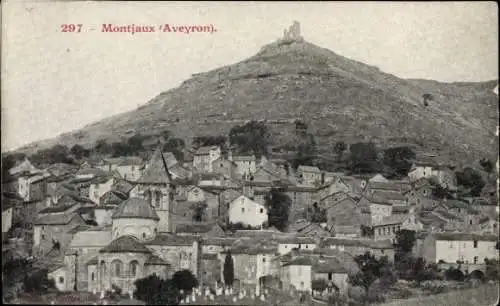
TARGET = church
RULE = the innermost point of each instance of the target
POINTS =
(136, 243)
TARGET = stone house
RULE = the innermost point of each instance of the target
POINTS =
(309, 175)
(53, 227)
(301, 196)
(356, 246)
(453, 247)
(333, 272)
(287, 244)
(225, 167)
(99, 186)
(24, 166)
(343, 210)
(253, 262)
(130, 168)
(387, 228)
(245, 164)
(32, 187)
(204, 157)
(378, 208)
(297, 274)
(248, 212)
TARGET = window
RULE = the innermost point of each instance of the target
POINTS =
(242, 209)
(61, 279)
(157, 199)
(143, 235)
(263, 259)
(451, 244)
(475, 244)
(92, 277)
(379, 232)
(470, 222)
(43, 237)
(156, 231)
(133, 268)
(475, 259)
(307, 246)
(262, 210)
(116, 268)
(393, 229)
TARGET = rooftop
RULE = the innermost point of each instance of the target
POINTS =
(157, 170)
(463, 237)
(125, 244)
(173, 240)
(135, 208)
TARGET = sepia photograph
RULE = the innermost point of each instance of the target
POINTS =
(288, 153)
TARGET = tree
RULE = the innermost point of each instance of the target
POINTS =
(228, 270)
(102, 147)
(371, 269)
(487, 165)
(363, 158)
(367, 231)
(78, 151)
(53, 155)
(134, 144)
(251, 137)
(306, 152)
(185, 280)
(427, 97)
(316, 214)
(156, 291)
(339, 148)
(199, 210)
(278, 209)
(399, 159)
(38, 282)
(471, 180)
(9, 161)
(405, 240)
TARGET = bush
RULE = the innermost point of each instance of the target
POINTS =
(185, 280)
(38, 282)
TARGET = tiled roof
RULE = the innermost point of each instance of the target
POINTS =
(369, 243)
(123, 186)
(91, 237)
(303, 168)
(154, 260)
(389, 195)
(90, 171)
(173, 240)
(374, 200)
(300, 261)
(125, 244)
(392, 219)
(295, 240)
(391, 186)
(193, 228)
(244, 158)
(156, 171)
(219, 241)
(463, 237)
(397, 209)
(329, 265)
(56, 219)
(135, 208)
(78, 228)
(112, 197)
(131, 161)
(205, 150)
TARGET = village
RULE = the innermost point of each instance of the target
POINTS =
(249, 230)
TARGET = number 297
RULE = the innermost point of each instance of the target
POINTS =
(71, 28)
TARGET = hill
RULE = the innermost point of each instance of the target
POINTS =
(339, 99)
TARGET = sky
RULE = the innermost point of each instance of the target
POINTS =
(54, 82)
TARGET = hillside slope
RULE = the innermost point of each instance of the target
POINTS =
(340, 99)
